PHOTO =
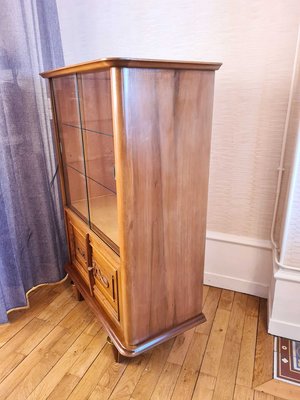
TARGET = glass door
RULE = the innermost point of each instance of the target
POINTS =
(97, 130)
(84, 114)
(69, 127)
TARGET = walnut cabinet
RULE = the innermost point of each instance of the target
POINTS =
(133, 139)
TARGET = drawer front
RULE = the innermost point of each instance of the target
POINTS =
(105, 277)
(97, 264)
(78, 248)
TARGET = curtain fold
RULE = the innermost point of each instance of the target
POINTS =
(32, 240)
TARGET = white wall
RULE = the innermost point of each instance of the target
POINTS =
(256, 41)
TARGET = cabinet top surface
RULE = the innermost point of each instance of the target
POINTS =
(105, 63)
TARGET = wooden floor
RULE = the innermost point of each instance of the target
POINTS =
(57, 350)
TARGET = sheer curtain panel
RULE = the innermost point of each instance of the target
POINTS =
(32, 241)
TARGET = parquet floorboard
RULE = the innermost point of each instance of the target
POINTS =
(57, 350)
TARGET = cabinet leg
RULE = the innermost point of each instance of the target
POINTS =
(78, 296)
(118, 357)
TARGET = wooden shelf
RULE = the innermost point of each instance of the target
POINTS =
(78, 165)
(103, 127)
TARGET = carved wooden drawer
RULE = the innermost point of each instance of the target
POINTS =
(79, 250)
(105, 272)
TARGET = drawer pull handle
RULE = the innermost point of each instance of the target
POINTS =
(104, 281)
(102, 278)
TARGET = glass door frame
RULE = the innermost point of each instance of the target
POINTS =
(62, 166)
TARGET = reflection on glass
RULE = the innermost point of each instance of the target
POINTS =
(66, 101)
(96, 117)
(103, 210)
(84, 113)
(95, 102)
(71, 140)
(99, 158)
(76, 191)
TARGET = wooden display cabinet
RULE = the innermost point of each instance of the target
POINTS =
(133, 138)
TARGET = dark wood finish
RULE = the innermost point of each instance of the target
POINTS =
(138, 261)
(106, 63)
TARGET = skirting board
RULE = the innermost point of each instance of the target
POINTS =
(238, 263)
(284, 312)
(284, 329)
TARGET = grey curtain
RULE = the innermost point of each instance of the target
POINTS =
(32, 241)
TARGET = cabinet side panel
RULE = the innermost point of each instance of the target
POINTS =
(165, 161)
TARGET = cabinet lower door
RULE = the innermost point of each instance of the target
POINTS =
(105, 273)
(96, 263)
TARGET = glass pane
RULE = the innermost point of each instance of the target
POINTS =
(76, 193)
(95, 102)
(66, 102)
(103, 210)
(99, 158)
(96, 117)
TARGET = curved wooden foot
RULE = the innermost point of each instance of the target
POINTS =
(119, 358)
(78, 296)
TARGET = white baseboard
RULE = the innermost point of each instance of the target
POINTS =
(236, 284)
(284, 300)
(284, 329)
(238, 263)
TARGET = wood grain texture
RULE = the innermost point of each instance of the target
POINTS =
(131, 377)
(72, 359)
(188, 375)
(164, 147)
(263, 396)
(242, 392)
(263, 371)
(226, 300)
(225, 383)
(165, 385)
(205, 386)
(213, 353)
(248, 344)
(152, 372)
(112, 326)
(278, 389)
(180, 347)
(209, 310)
(156, 117)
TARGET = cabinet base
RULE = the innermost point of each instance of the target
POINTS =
(113, 330)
